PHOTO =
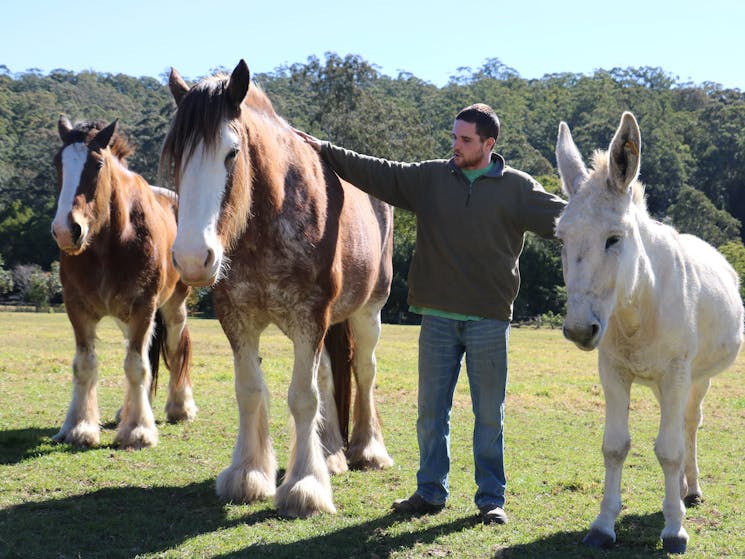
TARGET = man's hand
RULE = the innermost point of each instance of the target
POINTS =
(312, 141)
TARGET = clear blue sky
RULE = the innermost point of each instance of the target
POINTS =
(697, 41)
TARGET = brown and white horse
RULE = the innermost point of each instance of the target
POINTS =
(115, 233)
(285, 242)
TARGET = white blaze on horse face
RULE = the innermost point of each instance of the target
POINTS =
(74, 157)
(198, 250)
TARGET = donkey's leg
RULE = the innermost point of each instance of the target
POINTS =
(180, 404)
(307, 486)
(137, 424)
(670, 450)
(366, 447)
(252, 473)
(616, 444)
(329, 431)
(81, 426)
(690, 488)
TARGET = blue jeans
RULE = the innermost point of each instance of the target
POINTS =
(442, 344)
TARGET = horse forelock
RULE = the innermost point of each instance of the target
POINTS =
(199, 118)
(85, 130)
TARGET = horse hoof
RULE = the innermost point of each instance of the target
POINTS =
(136, 438)
(83, 435)
(676, 545)
(693, 500)
(304, 498)
(243, 485)
(373, 456)
(597, 539)
(337, 463)
(178, 413)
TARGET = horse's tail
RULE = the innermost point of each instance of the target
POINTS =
(340, 346)
(182, 367)
(157, 345)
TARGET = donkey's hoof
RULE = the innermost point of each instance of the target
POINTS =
(693, 500)
(674, 544)
(600, 540)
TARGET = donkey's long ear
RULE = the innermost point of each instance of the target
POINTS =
(177, 85)
(624, 154)
(238, 84)
(102, 140)
(64, 127)
(569, 160)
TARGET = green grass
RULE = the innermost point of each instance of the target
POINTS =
(57, 501)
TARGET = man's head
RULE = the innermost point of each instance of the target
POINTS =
(475, 131)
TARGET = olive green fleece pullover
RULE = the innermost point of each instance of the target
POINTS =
(468, 237)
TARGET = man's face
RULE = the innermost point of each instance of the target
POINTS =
(469, 150)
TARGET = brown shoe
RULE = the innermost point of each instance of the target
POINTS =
(493, 515)
(416, 505)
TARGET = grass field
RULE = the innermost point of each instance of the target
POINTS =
(60, 502)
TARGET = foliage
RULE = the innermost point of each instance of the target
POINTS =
(694, 213)
(734, 252)
(6, 278)
(693, 141)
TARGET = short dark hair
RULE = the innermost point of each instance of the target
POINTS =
(485, 119)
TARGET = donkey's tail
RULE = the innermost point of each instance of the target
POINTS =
(340, 346)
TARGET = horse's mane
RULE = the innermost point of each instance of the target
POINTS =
(200, 114)
(85, 130)
(599, 163)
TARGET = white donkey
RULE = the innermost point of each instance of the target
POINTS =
(662, 308)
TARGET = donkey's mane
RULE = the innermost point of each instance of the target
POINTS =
(599, 164)
(85, 130)
(200, 114)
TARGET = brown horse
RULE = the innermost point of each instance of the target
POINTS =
(285, 242)
(114, 233)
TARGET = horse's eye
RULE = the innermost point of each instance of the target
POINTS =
(611, 241)
(230, 157)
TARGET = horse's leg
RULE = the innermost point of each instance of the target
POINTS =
(137, 423)
(307, 486)
(329, 431)
(180, 404)
(253, 472)
(670, 450)
(690, 489)
(616, 444)
(366, 447)
(81, 426)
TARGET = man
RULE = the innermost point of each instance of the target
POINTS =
(472, 212)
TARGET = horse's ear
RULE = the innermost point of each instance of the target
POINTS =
(64, 127)
(102, 140)
(238, 84)
(177, 85)
(569, 160)
(624, 154)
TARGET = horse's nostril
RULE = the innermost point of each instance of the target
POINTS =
(595, 330)
(76, 231)
(173, 259)
(210, 258)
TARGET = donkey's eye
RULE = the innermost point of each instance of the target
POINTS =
(612, 241)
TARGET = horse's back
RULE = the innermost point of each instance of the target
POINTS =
(719, 308)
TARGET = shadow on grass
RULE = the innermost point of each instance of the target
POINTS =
(17, 445)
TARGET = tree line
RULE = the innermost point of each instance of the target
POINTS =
(693, 144)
